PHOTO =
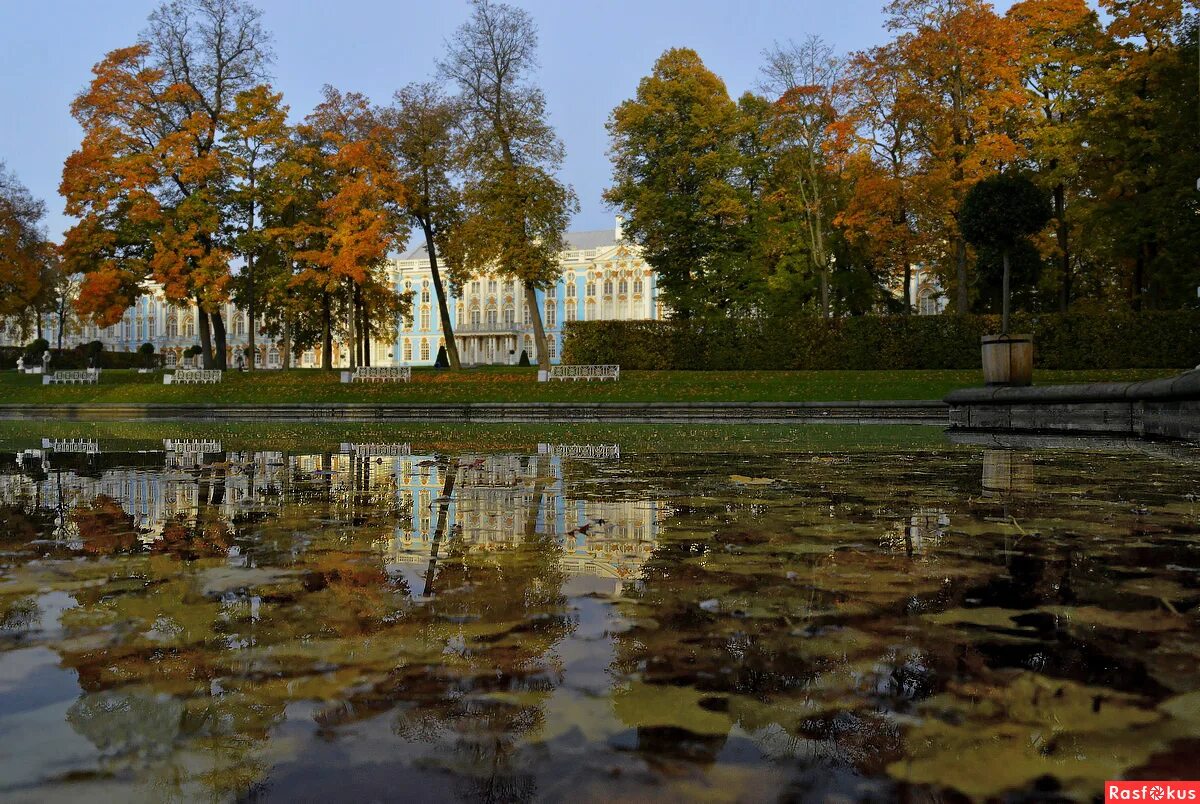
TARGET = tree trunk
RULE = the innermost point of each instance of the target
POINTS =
(908, 303)
(1064, 246)
(443, 303)
(960, 250)
(251, 340)
(285, 344)
(539, 331)
(352, 344)
(1004, 304)
(439, 529)
(206, 351)
(326, 333)
(220, 356)
(825, 312)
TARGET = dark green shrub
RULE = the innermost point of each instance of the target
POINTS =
(1072, 341)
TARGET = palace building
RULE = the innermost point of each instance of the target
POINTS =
(603, 277)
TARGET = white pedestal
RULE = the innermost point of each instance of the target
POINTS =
(543, 375)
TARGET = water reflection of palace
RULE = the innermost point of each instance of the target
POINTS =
(490, 502)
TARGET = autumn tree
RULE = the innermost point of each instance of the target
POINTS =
(1062, 47)
(1142, 157)
(516, 208)
(254, 141)
(145, 182)
(804, 81)
(31, 282)
(962, 62)
(883, 210)
(422, 126)
(356, 231)
(677, 180)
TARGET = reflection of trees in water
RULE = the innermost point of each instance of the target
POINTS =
(496, 617)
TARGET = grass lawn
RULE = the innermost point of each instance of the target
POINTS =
(520, 385)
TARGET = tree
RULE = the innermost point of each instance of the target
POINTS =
(1002, 212)
(961, 60)
(677, 180)
(363, 196)
(146, 179)
(883, 209)
(805, 81)
(517, 210)
(1062, 46)
(422, 125)
(1143, 155)
(256, 138)
(30, 279)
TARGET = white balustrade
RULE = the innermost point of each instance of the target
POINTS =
(585, 373)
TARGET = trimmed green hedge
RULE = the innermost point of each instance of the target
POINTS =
(1072, 341)
(76, 358)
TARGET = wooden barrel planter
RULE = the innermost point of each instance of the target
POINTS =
(1008, 359)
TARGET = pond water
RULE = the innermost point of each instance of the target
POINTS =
(367, 621)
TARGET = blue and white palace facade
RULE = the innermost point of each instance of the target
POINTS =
(602, 277)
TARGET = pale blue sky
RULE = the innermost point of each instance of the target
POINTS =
(592, 55)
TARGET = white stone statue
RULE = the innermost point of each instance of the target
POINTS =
(21, 364)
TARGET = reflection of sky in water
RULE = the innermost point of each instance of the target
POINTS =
(201, 623)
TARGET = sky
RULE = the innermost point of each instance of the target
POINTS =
(592, 55)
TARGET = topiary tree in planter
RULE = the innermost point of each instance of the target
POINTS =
(92, 352)
(192, 352)
(999, 214)
(34, 351)
(146, 350)
(1002, 212)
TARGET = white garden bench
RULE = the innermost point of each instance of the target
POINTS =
(72, 376)
(584, 373)
(378, 374)
(192, 377)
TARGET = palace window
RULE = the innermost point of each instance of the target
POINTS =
(589, 311)
(424, 319)
(552, 291)
(491, 317)
(475, 286)
(491, 286)
(424, 349)
(571, 290)
(623, 288)
(637, 286)
(425, 295)
(510, 316)
(608, 287)
(475, 318)
(591, 288)
(407, 350)
(570, 312)
(272, 358)
(551, 316)
(550, 349)
(189, 327)
(172, 359)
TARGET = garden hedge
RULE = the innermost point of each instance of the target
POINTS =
(1071, 341)
(77, 358)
